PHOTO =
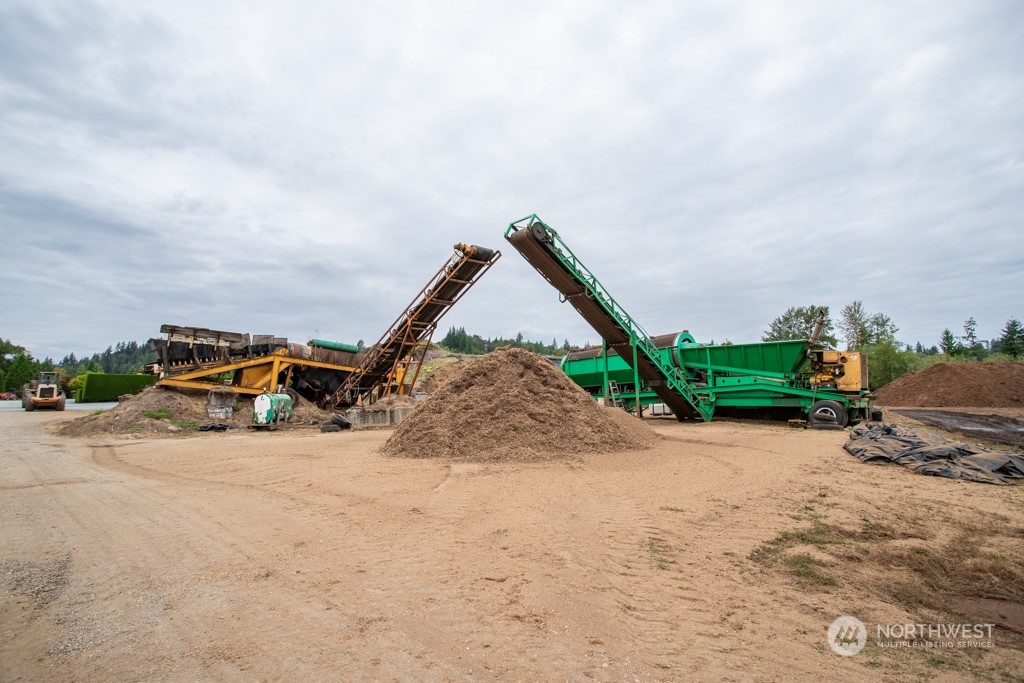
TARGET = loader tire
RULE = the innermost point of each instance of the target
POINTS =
(61, 404)
(828, 411)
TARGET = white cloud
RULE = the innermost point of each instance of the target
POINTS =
(714, 163)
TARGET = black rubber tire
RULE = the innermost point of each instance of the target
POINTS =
(340, 420)
(877, 415)
(61, 404)
(295, 396)
(330, 427)
(29, 406)
(828, 411)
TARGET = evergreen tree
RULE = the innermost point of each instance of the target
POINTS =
(948, 344)
(1012, 340)
(22, 369)
(8, 351)
(971, 345)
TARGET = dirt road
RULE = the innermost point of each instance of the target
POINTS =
(307, 556)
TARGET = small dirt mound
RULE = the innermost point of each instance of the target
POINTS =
(957, 385)
(512, 405)
(389, 402)
(158, 411)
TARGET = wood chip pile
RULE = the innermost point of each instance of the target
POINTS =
(512, 405)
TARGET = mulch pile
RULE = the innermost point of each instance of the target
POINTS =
(433, 381)
(957, 385)
(187, 409)
(512, 405)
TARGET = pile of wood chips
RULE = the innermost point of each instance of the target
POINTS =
(512, 405)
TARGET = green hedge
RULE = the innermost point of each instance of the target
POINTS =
(101, 387)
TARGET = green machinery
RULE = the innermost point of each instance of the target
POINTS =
(633, 369)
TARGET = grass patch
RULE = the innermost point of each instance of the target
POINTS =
(806, 567)
(158, 414)
(658, 549)
(927, 570)
(818, 535)
(186, 424)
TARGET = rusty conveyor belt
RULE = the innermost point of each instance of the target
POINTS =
(417, 323)
(535, 247)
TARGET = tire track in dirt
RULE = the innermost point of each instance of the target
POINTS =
(149, 528)
(639, 563)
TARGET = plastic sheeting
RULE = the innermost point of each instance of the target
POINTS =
(929, 453)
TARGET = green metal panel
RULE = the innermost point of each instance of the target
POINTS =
(780, 357)
(729, 386)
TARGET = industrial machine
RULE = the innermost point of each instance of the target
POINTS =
(200, 358)
(43, 392)
(378, 373)
(674, 373)
(328, 373)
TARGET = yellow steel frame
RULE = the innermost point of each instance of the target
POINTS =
(257, 374)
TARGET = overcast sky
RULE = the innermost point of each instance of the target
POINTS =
(302, 169)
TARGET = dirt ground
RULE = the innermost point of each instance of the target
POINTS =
(722, 553)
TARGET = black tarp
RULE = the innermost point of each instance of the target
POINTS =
(929, 453)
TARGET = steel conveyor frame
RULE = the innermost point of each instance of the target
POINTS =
(541, 246)
(376, 375)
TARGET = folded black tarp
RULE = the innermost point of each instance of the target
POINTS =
(929, 453)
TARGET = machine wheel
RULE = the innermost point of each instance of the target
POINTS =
(828, 411)
(340, 420)
(61, 404)
(294, 394)
(329, 427)
(29, 405)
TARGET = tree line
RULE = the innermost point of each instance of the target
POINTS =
(18, 366)
(871, 333)
(459, 341)
(874, 334)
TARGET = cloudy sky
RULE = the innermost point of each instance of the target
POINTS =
(301, 169)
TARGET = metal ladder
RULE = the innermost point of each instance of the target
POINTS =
(613, 391)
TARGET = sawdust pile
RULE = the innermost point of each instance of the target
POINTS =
(957, 385)
(157, 411)
(448, 367)
(512, 405)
